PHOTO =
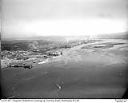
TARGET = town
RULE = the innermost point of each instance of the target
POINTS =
(24, 59)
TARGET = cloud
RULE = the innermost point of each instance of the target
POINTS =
(51, 17)
(67, 27)
(52, 9)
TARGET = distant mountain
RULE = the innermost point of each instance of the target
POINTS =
(122, 35)
(14, 45)
(22, 44)
(48, 38)
(51, 41)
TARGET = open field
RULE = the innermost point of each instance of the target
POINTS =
(95, 69)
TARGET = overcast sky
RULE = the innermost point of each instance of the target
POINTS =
(22, 18)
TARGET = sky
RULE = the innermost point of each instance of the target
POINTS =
(24, 18)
